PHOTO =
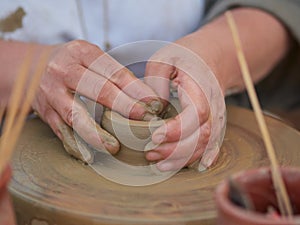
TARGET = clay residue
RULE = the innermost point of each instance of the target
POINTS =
(38, 222)
(13, 21)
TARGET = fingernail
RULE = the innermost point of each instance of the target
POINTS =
(165, 166)
(59, 135)
(149, 116)
(150, 146)
(156, 106)
(201, 167)
(173, 75)
(210, 156)
(109, 142)
(87, 156)
(206, 162)
(113, 148)
(153, 156)
(155, 170)
(158, 138)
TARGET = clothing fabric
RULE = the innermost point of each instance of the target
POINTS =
(57, 21)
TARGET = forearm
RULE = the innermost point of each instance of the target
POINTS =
(12, 55)
(265, 42)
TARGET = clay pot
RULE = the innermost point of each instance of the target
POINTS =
(7, 216)
(135, 135)
(257, 184)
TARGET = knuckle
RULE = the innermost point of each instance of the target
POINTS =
(112, 69)
(176, 130)
(77, 48)
(205, 135)
(55, 69)
(76, 45)
(203, 113)
(102, 90)
(72, 116)
(62, 73)
(136, 111)
(44, 113)
(69, 116)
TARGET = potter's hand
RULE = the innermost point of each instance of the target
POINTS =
(196, 131)
(82, 68)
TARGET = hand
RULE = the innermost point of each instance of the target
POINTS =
(197, 130)
(82, 68)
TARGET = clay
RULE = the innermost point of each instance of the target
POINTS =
(74, 145)
(135, 135)
(257, 184)
(111, 122)
(13, 21)
(50, 187)
(78, 148)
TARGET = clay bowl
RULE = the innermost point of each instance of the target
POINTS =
(6, 210)
(135, 135)
(257, 184)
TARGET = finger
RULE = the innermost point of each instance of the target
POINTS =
(165, 150)
(95, 110)
(74, 145)
(75, 115)
(98, 88)
(157, 76)
(202, 142)
(94, 59)
(135, 88)
(177, 164)
(174, 156)
(195, 112)
(209, 157)
(91, 132)
(71, 142)
(182, 150)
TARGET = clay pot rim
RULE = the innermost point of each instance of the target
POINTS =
(251, 216)
(119, 119)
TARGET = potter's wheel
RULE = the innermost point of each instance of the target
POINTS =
(50, 187)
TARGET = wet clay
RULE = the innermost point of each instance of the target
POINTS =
(13, 21)
(51, 187)
(135, 135)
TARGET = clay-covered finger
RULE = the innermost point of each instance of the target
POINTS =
(157, 76)
(103, 91)
(72, 143)
(95, 60)
(175, 150)
(187, 150)
(209, 157)
(75, 115)
(195, 112)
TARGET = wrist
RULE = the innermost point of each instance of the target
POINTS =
(217, 50)
(212, 47)
(12, 62)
